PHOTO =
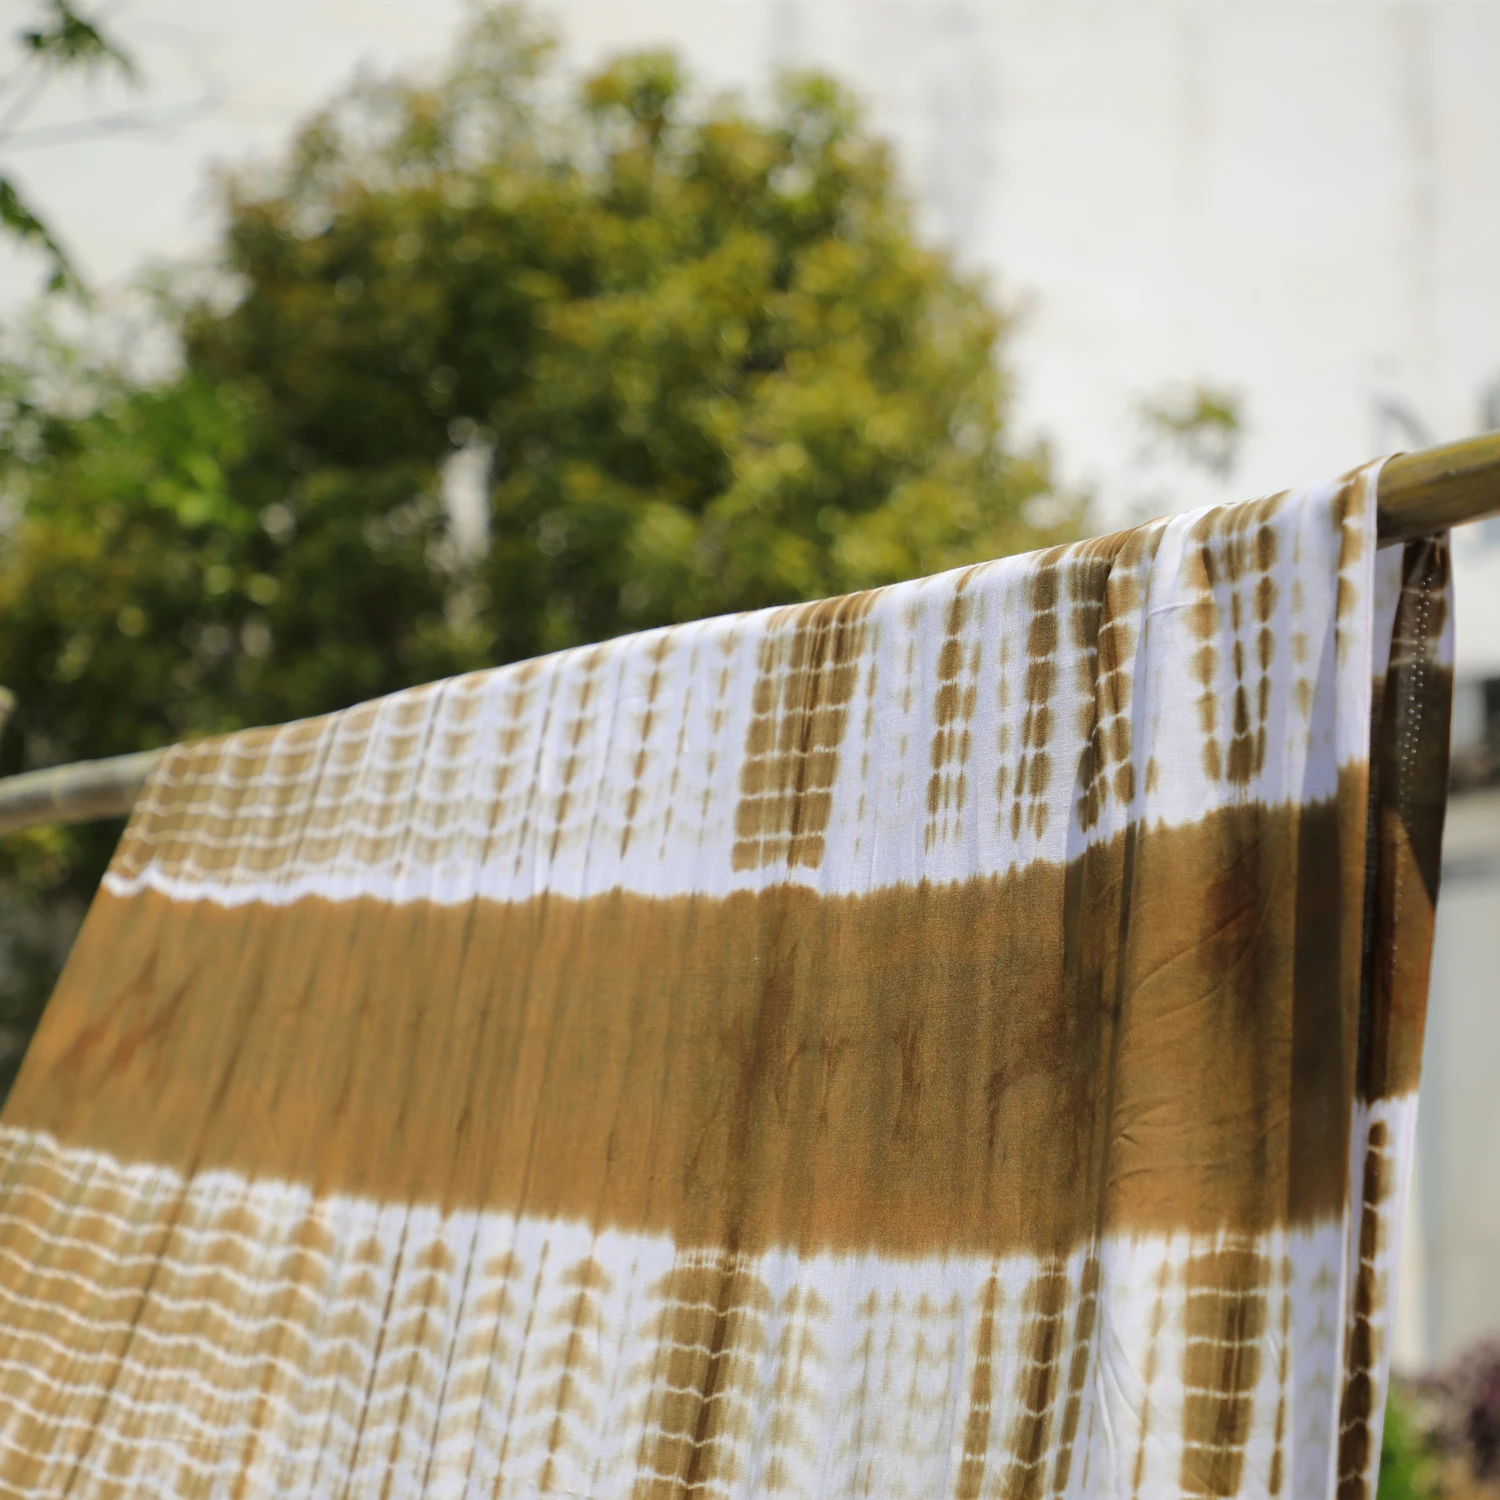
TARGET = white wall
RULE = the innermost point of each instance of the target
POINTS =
(1456, 1293)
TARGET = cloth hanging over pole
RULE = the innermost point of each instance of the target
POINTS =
(1419, 493)
(957, 1039)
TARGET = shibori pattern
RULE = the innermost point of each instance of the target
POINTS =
(956, 1040)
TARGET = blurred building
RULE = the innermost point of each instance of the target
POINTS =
(1451, 1284)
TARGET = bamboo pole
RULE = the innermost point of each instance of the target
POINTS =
(86, 792)
(1437, 488)
(1419, 493)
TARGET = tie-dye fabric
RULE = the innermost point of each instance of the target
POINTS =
(955, 1040)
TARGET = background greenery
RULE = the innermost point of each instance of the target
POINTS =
(1442, 1432)
(698, 355)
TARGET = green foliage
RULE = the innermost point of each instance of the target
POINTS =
(20, 223)
(709, 365)
(66, 38)
(1407, 1470)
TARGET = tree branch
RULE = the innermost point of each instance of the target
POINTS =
(167, 118)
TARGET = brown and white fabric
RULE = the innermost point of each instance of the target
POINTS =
(954, 1040)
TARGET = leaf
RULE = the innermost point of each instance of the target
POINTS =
(68, 39)
(18, 220)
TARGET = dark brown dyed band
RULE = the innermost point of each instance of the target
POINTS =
(1010, 1063)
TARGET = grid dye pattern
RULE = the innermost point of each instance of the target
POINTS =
(1096, 686)
(808, 670)
(219, 1337)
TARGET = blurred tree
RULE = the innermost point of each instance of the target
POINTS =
(712, 365)
(697, 360)
(1203, 424)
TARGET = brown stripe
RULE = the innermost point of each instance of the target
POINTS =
(1158, 1036)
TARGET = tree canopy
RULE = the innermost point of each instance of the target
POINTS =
(696, 354)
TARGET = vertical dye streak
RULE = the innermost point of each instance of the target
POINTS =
(1105, 598)
(1283, 1369)
(1042, 1341)
(1358, 1408)
(1232, 561)
(1083, 1344)
(953, 708)
(1034, 769)
(580, 1371)
(1248, 563)
(805, 681)
(641, 761)
(1224, 1320)
(1203, 616)
(708, 1334)
(576, 730)
(789, 1439)
(1148, 1379)
(981, 1400)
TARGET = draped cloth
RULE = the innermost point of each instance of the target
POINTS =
(959, 1039)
